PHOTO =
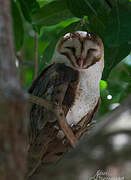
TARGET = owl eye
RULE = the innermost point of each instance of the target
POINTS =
(92, 49)
(73, 49)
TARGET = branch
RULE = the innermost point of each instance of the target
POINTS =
(41, 102)
(35, 55)
(25, 63)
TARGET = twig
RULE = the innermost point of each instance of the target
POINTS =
(35, 55)
(25, 63)
(60, 115)
(41, 102)
(65, 127)
(22, 67)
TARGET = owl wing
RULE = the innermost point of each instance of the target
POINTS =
(57, 84)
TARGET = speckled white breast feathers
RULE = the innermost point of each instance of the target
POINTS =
(88, 93)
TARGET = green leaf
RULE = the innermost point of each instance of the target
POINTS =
(48, 32)
(53, 34)
(29, 8)
(113, 56)
(103, 85)
(115, 3)
(17, 26)
(118, 26)
(96, 16)
(88, 8)
(52, 13)
(28, 76)
(47, 55)
(97, 26)
(42, 3)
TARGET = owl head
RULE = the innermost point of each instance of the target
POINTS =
(79, 50)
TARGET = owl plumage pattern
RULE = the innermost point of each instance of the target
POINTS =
(72, 81)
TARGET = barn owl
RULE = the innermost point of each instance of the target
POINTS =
(72, 80)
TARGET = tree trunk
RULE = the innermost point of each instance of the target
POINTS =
(12, 104)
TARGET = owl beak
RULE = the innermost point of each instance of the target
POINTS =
(80, 62)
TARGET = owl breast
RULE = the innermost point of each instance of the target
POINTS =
(87, 94)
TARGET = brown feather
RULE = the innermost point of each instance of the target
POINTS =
(70, 95)
(35, 82)
(51, 85)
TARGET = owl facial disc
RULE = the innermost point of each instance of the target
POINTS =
(82, 49)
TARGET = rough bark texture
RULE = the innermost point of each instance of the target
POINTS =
(12, 104)
(104, 154)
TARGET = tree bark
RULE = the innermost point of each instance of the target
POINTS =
(12, 104)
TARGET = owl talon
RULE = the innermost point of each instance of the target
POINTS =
(75, 128)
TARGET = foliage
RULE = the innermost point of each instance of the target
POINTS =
(53, 18)
(117, 88)
(18, 26)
